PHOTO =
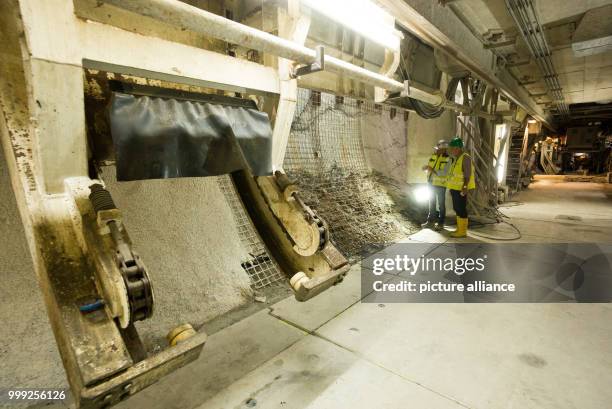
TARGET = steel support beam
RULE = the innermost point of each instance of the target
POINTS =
(192, 18)
(428, 32)
(294, 26)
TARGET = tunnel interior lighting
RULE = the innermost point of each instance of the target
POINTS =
(422, 194)
(361, 16)
(501, 150)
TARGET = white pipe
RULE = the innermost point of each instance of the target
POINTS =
(182, 15)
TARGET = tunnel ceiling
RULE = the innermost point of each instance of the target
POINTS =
(579, 35)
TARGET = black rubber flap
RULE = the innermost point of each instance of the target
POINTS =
(159, 138)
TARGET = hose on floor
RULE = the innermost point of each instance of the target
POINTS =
(496, 219)
(498, 238)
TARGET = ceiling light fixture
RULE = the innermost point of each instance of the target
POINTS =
(361, 16)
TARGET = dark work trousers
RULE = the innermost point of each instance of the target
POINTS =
(439, 195)
(459, 204)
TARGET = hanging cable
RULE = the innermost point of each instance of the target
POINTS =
(423, 109)
(429, 111)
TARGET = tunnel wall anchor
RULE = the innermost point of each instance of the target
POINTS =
(317, 65)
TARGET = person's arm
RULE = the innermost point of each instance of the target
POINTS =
(428, 167)
(467, 171)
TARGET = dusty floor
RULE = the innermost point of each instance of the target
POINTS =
(337, 352)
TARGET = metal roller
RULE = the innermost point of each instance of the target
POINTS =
(135, 277)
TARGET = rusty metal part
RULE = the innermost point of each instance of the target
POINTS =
(180, 334)
(283, 222)
(141, 375)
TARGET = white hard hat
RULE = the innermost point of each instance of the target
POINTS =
(442, 144)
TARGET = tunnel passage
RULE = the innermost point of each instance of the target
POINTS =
(342, 152)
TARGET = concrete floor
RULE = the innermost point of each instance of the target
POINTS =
(337, 352)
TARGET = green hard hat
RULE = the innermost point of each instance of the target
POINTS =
(456, 142)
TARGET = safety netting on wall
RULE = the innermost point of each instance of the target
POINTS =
(326, 155)
(344, 154)
(260, 266)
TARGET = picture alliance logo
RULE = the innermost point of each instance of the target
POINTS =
(399, 263)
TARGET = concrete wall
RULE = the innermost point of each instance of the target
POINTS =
(422, 137)
(385, 144)
(398, 149)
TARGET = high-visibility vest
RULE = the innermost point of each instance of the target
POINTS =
(437, 163)
(455, 179)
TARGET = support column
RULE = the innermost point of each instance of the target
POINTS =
(55, 93)
(293, 26)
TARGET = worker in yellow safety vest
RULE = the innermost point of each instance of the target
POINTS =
(460, 180)
(437, 169)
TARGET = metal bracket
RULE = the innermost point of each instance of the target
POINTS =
(406, 91)
(317, 65)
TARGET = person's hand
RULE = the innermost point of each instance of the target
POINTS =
(464, 191)
(425, 167)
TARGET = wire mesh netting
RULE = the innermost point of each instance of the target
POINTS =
(325, 155)
(261, 268)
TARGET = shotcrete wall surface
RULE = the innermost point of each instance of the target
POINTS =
(385, 143)
(28, 354)
(423, 134)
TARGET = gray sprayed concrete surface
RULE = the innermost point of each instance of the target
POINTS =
(28, 354)
(385, 144)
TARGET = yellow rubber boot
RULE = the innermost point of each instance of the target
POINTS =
(465, 227)
(462, 225)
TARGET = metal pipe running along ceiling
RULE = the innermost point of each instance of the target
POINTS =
(183, 15)
(526, 19)
(428, 32)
